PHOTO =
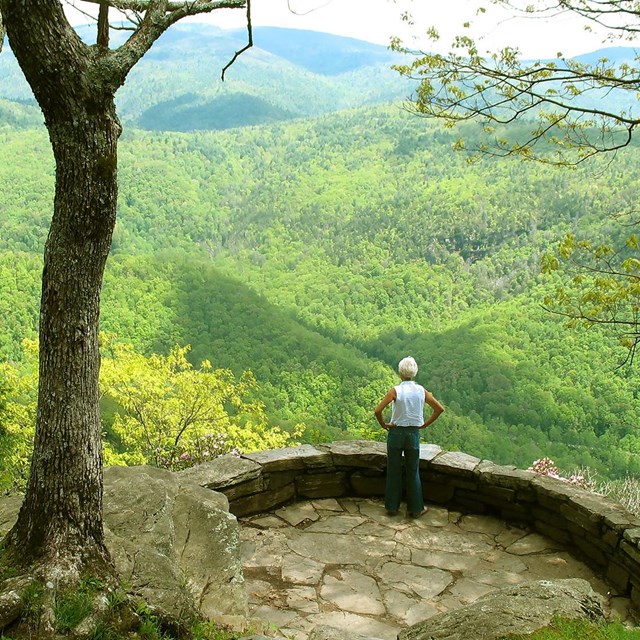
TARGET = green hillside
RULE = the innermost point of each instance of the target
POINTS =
(316, 253)
(190, 113)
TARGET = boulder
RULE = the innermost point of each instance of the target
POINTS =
(173, 542)
(9, 508)
(520, 609)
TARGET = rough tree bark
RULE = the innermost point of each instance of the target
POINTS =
(3, 32)
(63, 504)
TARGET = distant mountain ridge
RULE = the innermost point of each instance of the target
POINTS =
(318, 52)
(287, 74)
(321, 53)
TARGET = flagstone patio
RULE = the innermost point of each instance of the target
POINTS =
(345, 563)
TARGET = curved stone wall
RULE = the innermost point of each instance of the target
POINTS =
(600, 532)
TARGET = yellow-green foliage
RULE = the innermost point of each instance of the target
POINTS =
(172, 414)
(18, 393)
(160, 410)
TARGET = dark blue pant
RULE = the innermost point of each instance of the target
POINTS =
(403, 440)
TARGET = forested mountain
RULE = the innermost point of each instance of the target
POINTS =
(178, 86)
(316, 252)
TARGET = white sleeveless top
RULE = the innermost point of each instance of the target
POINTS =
(408, 407)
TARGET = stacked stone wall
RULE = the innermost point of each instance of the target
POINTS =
(598, 531)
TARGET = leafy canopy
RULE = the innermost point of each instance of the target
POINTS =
(158, 410)
(566, 102)
(603, 286)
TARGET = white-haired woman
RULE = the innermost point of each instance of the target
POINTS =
(403, 437)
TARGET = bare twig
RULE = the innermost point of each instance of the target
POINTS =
(246, 47)
(80, 10)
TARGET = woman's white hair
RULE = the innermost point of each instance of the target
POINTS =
(408, 367)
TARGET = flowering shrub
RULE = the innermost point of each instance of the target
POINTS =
(626, 491)
(203, 449)
(547, 467)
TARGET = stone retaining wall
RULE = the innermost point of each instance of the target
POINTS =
(599, 531)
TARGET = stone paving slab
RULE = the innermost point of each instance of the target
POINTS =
(346, 564)
(353, 591)
(336, 524)
(298, 570)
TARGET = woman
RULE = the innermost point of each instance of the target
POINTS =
(403, 437)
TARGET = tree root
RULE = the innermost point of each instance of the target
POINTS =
(31, 609)
(12, 599)
(58, 598)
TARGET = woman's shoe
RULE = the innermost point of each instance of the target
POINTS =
(419, 513)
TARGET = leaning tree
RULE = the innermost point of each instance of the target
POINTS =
(58, 536)
(559, 111)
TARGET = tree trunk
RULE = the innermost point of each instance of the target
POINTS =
(59, 528)
(61, 519)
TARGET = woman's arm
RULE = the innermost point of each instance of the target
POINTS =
(435, 405)
(388, 399)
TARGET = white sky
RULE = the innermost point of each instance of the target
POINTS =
(378, 20)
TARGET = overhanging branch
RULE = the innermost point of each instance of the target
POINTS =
(188, 8)
(159, 15)
(246, 47)
(457, 89)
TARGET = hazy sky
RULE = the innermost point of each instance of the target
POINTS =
(378, 20)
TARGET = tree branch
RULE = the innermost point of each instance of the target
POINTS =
(192, 8)
(103, 26)
(246, 47)
(565, 101)
(508, 88)
(501, 91)
(159, 15)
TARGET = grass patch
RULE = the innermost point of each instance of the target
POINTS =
(33, 596)
(210, 631)
(71, 608)
(103, 632)
(562, 629)
(150, 627)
